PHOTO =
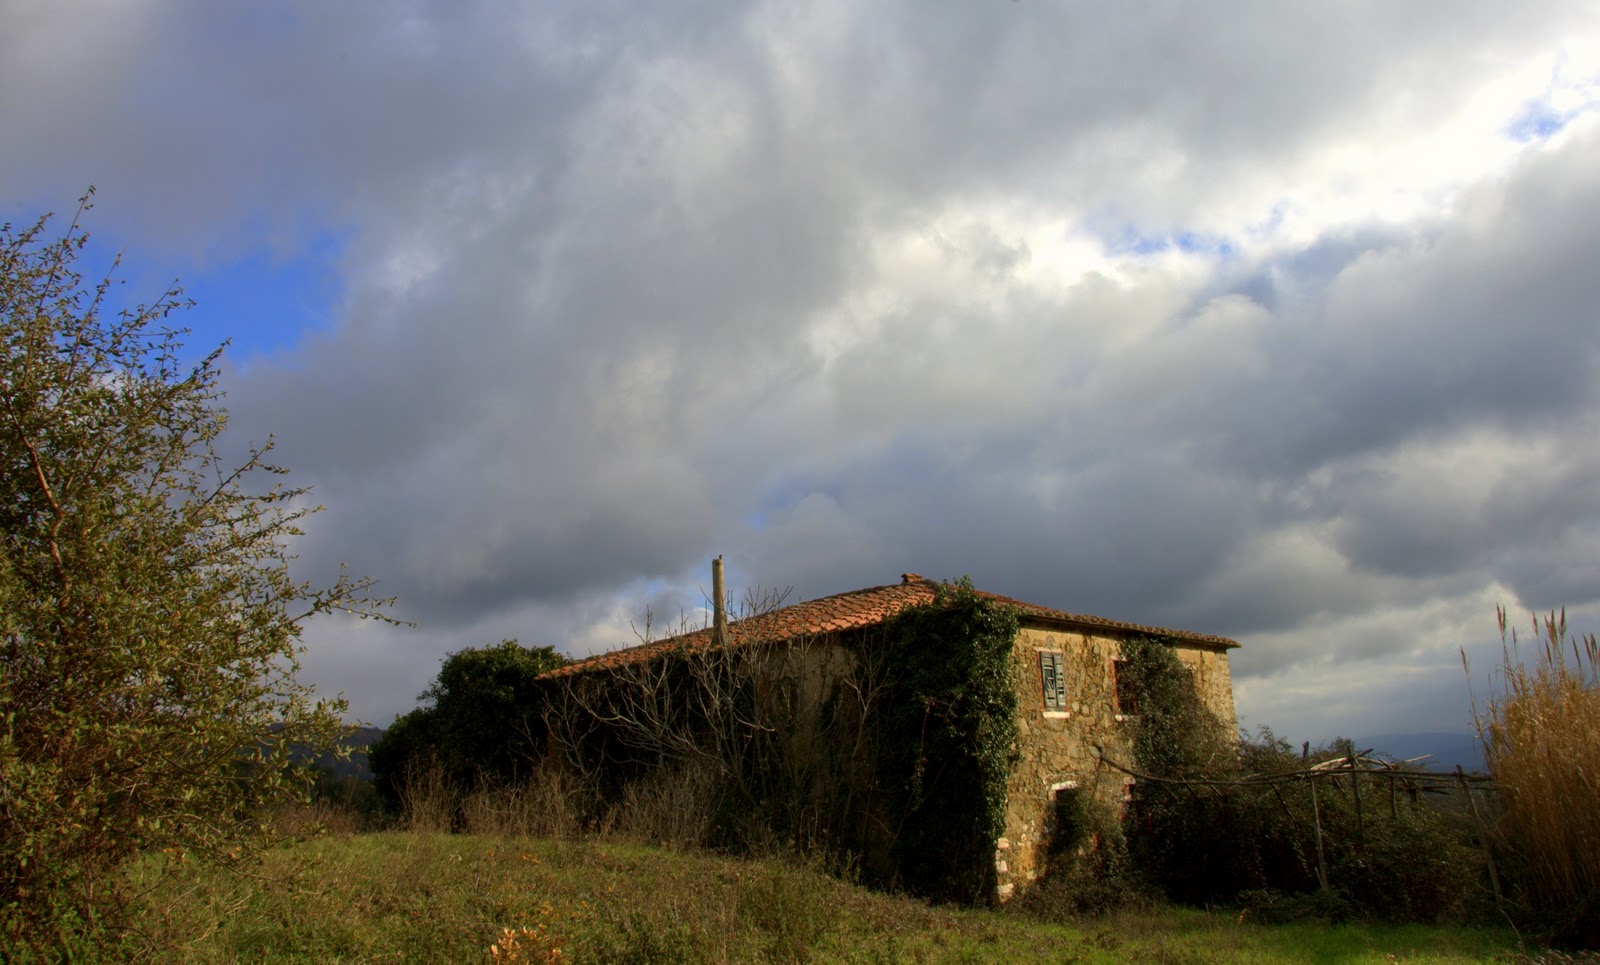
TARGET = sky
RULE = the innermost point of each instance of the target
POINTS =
(1276, 321)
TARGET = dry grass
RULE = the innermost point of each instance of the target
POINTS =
(1541, 739)
(675, 809)
(429, 800)
(301, 821)
(548, 805)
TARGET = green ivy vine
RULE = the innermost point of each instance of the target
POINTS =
(949, 742)
(1176, 735)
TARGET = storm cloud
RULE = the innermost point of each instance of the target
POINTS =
(1257, 319)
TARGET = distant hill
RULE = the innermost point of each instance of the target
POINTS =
(1448, 750)
(356, 766)
(359, 740)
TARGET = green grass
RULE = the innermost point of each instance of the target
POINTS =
(403, 897)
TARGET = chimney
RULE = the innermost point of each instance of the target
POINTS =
(719, 609)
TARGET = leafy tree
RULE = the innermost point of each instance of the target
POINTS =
(149, 624)
(482, 717)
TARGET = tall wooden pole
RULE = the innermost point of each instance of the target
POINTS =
(719, 607)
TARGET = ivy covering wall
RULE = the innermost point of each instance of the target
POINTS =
(1177, 736)
(947, 739)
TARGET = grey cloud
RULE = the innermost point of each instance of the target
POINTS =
(612, 307)
(1555, 570)
(1282, 283)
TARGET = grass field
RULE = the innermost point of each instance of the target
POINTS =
(407, 897)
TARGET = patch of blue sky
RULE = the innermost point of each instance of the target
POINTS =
(265, 303)
(261, 302)
(1535, 123)
(1204, 243)
(1130, 241)
(1137, 244)
(1541, 120)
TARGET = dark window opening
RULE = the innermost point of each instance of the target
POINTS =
(1069, 820)
(1127, 689)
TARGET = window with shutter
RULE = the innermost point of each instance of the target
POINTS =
(1053, 680)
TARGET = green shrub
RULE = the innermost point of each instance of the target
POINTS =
(1256, 844)
(1414, 863)
(149, 624)
(482, 719)
(1270, 906)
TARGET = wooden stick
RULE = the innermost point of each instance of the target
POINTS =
(1260, 780)
(1355, 792)
(1316, 817)
(1483, 835)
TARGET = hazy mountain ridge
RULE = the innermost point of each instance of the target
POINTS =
(358, 739)
(1447, 749)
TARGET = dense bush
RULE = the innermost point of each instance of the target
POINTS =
(1256, 843)
(353, 797)
(1089, 870)
(482, 720)
(1243, 826)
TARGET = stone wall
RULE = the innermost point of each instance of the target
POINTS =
(1059, 747)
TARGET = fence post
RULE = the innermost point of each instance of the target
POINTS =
(1355, 792)
(1483, 835)
(1316, 821)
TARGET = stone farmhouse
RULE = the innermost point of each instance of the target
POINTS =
(1070, 708)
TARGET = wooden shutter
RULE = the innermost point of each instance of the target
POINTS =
(1053, 680)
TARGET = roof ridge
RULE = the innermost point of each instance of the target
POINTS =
(812, 616)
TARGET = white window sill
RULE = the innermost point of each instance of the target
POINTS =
(1057, 714)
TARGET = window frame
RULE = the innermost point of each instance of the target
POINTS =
(1053, 668)
(1124, 697)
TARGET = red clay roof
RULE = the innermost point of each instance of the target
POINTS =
(858, 609)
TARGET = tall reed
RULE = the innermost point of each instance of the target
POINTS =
(1541, 740)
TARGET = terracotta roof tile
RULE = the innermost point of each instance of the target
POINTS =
(858, 609)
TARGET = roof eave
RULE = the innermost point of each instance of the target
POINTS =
(1186, 637)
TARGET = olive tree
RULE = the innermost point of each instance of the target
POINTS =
(149, 623)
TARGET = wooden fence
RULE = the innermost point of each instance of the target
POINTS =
(1354, 767)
